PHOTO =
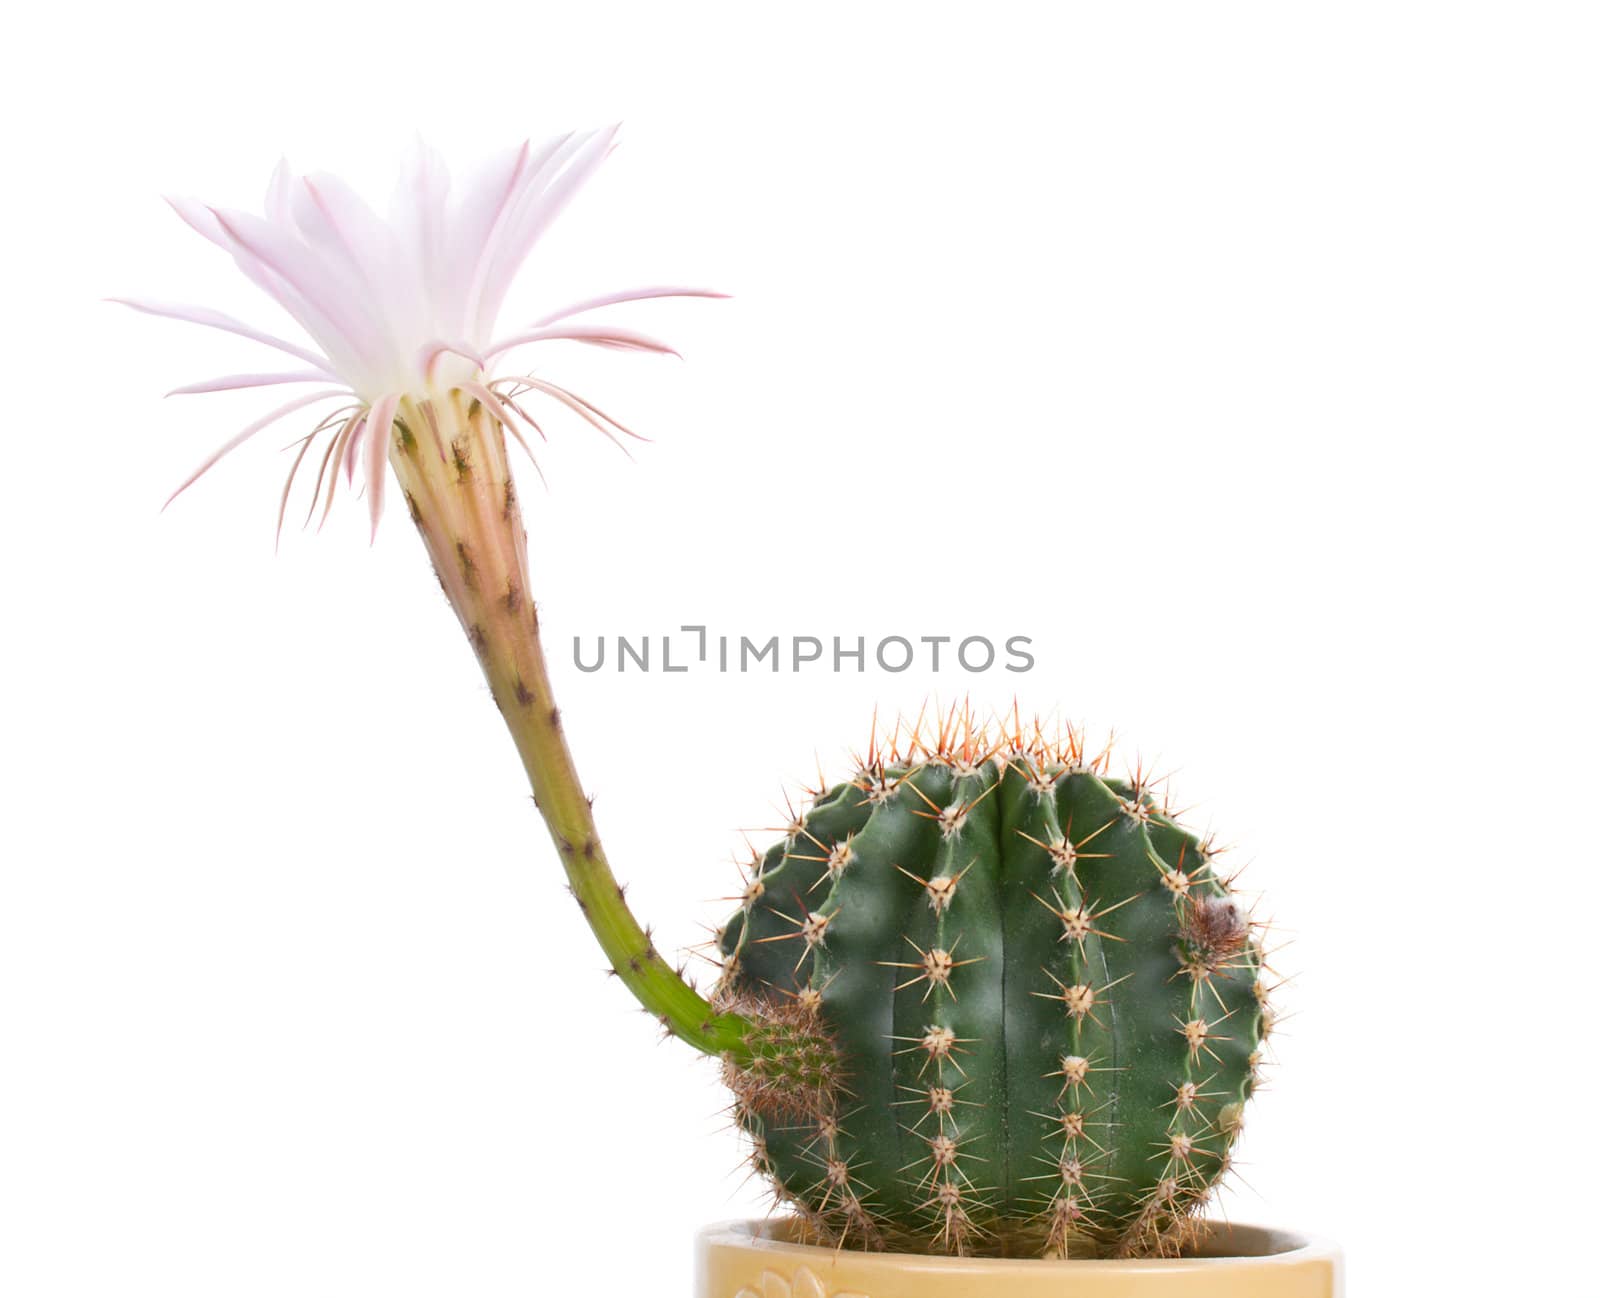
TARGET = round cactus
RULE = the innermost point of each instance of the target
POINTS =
(1031, 1010)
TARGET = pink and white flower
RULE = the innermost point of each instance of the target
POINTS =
(404, 308)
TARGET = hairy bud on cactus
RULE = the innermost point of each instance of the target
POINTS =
(1044, 1007)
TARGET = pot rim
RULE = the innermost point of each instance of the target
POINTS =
(1263, 1247)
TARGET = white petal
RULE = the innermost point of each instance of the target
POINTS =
(314, 288)
(197, 216)
(276, 203)
(540, 205)
(430, 356)
(395, 294)
(208, 223)
(483, 205)
(334, 218)
(417, 215)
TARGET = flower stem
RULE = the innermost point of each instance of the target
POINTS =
(449, 454)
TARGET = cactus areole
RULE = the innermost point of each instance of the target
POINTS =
(1047, 1007)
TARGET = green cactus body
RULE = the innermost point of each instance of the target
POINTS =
(1047, 1008)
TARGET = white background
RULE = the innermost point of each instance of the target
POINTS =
(1242, 355)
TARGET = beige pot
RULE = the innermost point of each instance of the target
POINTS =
(748, 1259)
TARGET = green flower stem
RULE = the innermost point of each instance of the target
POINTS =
(449, 454)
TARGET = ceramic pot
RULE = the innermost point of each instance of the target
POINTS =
(749, 1259)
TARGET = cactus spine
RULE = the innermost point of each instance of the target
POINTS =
(1047, 1006)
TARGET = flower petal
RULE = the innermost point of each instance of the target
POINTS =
(208, 223)
(428, 358)
(380, 424)
(197, 216)
(499, 410)
(229, 382)
(541, 203)
(483, 208)
(626, 295)
(417, 215)
(334, 217)
(201, 315)
(245, 434)
(322, 294)
(348, 435)
(276, 203)
(596, 335)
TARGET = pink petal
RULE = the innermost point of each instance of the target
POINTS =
(228, 382)
(272, 273)
(429, 355)
(585, 410)
(417, 215)
(332, 214)
(380, 424)
(540, 206)
(208, 223)
(547, 192)
(493, 402)
(217, 320)
(239, 438)
(492, 267)
(628, 295)
(498, 409)
(596, 335)
(320, 293)
(351, 450)
(348, 434)
(276, 203)
(482, 213)
(197, 216)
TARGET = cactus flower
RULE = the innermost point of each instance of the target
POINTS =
(402, 320)
(403, 311)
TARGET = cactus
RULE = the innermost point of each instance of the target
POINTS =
(981, 997)
(1047, 1006)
